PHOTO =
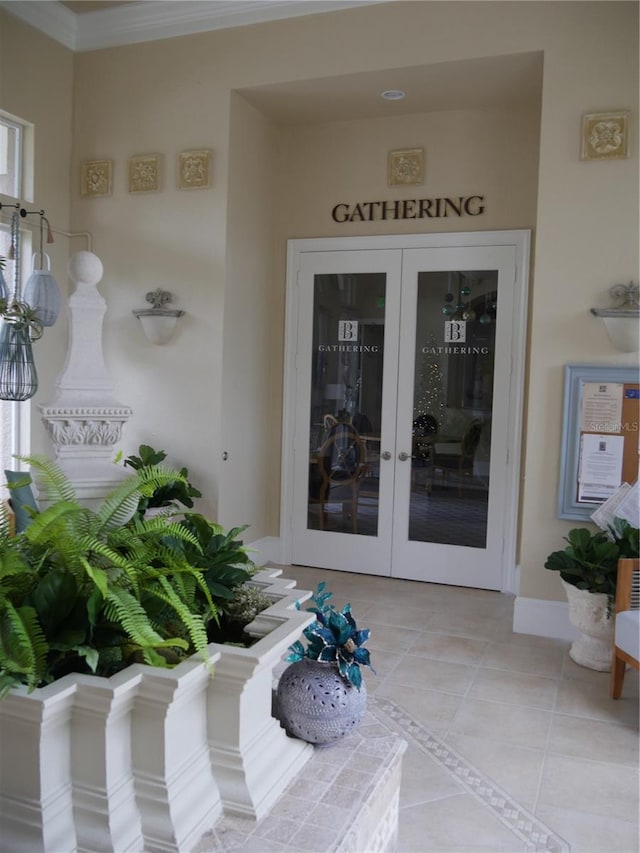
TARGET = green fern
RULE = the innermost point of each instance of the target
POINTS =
(193, 622)
(54, 482)
(23, 646)
(119, 507)
(124, 608)
(13, 564)
(93, 590)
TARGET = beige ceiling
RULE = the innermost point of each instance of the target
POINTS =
(486, 83)
(482, 83)
(82, 6)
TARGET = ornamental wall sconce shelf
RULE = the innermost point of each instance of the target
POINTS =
(158, 322)
(24, 313)
(622, 319)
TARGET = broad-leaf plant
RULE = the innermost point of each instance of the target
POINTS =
(590, 560)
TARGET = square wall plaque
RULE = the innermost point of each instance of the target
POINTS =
(95, 178)
(605, 136)
(194, 169)
(406, 167)
(144, 173)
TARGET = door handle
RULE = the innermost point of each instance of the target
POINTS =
(403, 456)
(385, 455)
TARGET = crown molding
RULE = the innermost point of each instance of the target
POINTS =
(54, 19)
(150, 20)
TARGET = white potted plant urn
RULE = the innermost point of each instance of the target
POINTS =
(588, 568)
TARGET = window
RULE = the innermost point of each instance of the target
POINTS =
(14, 417)
(11, 141)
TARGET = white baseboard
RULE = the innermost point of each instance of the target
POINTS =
(543, 618)
(530, 615)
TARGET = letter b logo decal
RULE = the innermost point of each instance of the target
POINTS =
(455, 331)
(347, 330)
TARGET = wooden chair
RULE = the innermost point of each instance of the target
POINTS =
(341, 464)
(458, 457)
(626, 641)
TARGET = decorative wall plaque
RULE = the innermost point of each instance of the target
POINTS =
(406, 167)
(605, 136)
(144, 173)
(95, 178)
(194, 169)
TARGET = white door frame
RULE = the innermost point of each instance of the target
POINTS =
(520, 241)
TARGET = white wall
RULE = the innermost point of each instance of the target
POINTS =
(250, 313)
(36, 86)
(177, 94)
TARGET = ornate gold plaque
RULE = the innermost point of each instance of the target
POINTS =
(194, 169)
(144, 173)
(95, 178)
(605, 136)
(406, 167)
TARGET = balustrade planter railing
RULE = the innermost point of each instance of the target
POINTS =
(150, 758)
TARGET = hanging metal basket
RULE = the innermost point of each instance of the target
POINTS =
(18, 376)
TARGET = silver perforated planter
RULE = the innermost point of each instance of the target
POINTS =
(316, 704)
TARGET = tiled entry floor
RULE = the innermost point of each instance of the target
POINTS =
(512, 707)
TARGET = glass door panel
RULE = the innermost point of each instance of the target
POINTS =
(345, 417)
(453, 414)
(347, 318)
(452, 407)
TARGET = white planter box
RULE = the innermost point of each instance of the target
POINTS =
(104, 806)
(36, 809)
(149, 758)
(253, 758)
(176, 793)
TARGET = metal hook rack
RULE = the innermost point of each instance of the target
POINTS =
(23, 322)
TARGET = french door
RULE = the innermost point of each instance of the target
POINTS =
(402, 405)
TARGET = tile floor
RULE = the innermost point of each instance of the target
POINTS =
(515, 707)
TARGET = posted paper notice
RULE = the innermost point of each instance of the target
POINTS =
(600, 469)
(601, 407)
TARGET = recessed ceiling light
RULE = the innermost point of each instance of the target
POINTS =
(393, 95)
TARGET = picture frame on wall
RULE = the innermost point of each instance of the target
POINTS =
(96, 178)
(194, 169)
(405, 166)
(605, 136)
(144, 173)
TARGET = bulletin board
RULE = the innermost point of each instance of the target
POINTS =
(600, 436)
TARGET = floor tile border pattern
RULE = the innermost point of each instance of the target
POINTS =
(537, 837)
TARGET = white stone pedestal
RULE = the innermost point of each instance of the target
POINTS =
(84, 421)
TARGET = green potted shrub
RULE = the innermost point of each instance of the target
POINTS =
(588, 568)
